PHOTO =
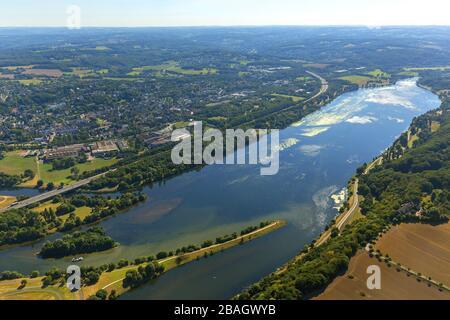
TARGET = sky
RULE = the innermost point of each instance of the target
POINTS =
(139, 13)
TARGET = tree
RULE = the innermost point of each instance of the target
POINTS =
(50, 186)
(29, 174)
(75, 172)
(161, 255)
(23, 283)
(308, 282)
(334, 232)
(113, 295)
(40, 183)
(102, 294)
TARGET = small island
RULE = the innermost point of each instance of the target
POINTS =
(92, 240)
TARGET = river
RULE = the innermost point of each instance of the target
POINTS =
(321, 153)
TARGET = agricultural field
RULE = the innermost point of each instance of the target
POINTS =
(379, 74)
(359, 80)
(409, 73)
(421, 247)
(86, 72)
(173, 67)
(54, 73)
(7, 76)
(293, 98)
(30, 82)
(316, 65)
(395, 285)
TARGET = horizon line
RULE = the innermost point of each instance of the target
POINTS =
(228, 26)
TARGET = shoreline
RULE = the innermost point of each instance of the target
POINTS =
(113, 280)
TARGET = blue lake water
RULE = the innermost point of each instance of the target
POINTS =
(320, 155)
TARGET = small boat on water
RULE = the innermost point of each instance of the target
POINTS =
(77, 259)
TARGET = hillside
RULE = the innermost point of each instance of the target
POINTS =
(411, 186)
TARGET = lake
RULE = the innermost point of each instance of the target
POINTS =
(320, 155)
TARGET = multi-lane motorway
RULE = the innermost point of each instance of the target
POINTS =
(51, 194)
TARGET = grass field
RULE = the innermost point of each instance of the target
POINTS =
(122, 79)
(359, 80)
(172, 66)
(293, 98)
(180, 124)
(9, 290)
(5, 201)
(81, 212)
(81, 72)
(101, 48)
(58, 176)
(435, 126)
(14, 164)
(395, 285)
(316, 65)
(30, 82)
(409, 73)
(46, 205)
(379, 74)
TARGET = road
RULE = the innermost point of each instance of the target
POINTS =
(340, 225)
(323, 89)
(349, 214)
(51, 194)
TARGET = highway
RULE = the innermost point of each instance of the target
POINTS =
(349, 214)
(323, 89)
(51, 194)
(346, 218)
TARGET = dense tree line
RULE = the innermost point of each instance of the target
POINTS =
(102, 208)
(147, 170)
(25, 225)
(135, 278)
(19, 226)
(7, 181)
